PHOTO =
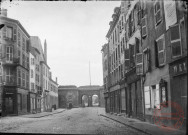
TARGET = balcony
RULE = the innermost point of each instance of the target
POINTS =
(13, 62)
(10, 82)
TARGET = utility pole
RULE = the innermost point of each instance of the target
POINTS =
(89, 74)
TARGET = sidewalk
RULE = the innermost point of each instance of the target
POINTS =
(145, 127)
(42, 114)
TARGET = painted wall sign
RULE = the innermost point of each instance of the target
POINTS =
(170, 13)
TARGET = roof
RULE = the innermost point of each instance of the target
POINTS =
(15, 21)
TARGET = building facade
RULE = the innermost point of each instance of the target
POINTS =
(15, 64)
(53, 88)
(154, 72)
(83, 96)
(32, 90)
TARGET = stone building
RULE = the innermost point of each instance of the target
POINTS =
(154, 72)
(72, 96)
(14, 57)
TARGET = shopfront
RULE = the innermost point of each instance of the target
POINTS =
(178, 79)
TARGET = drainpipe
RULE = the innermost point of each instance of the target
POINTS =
(142, 76)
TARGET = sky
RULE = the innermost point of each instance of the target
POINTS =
(74, 31)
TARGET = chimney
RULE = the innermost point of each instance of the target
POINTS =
(3, 12)
(45, 51)
(56, 79)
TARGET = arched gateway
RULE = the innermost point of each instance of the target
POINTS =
(83, 96)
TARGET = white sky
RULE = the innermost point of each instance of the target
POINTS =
(74, 31)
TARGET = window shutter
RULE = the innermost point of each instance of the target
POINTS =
(4, 32)
(132, 53)
(175, 41)
(130, 27)
(148, 60)
(139, 63)
(28, 45)
(14, 34)
(147, 97)
(144, 28)
(156, 55)
(137, 45)
(161, 55)
(157, 11)
(127, 59)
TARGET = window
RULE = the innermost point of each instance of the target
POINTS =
(23, 60)
(27, 80)
(19, 77)
(23, 43)
(31, 73)
(132, 54)
(9, 75)
(157, 12)
(9, 53)
(23, 79)
(19, 38)
(143, 8)
(144, 27)
(9, 32)
(127, 58)
(132, 21)
(147, 94)
(146, 60)
(19, 55)
(175, 41)
(155, 99)
(139, 63)
(27, 62)
(160, 51)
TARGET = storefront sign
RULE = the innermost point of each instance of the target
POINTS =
(179, 68)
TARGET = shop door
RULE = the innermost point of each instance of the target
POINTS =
(9, 105)
(139, 105)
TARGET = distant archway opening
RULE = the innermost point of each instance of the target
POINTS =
(95, 100)
(85, 101)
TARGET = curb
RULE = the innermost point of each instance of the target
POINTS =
(126, 124)
(45, 115)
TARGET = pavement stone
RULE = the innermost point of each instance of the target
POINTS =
(42, 114)
(142, 126)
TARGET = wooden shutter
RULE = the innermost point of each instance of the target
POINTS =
(4, 32)
(147, 94)
(160, 48)
(156, 55)
(144, 28)
(175, 41)
(14, 34)
(127, 58)
(28, 45)
(132, 54)
(137, 45)
(139, 63)
(157, 11)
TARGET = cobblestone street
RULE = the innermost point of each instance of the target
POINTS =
(74, 121)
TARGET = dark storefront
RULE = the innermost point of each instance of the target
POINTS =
(135, 100)
(9, 104)
(178, 79)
